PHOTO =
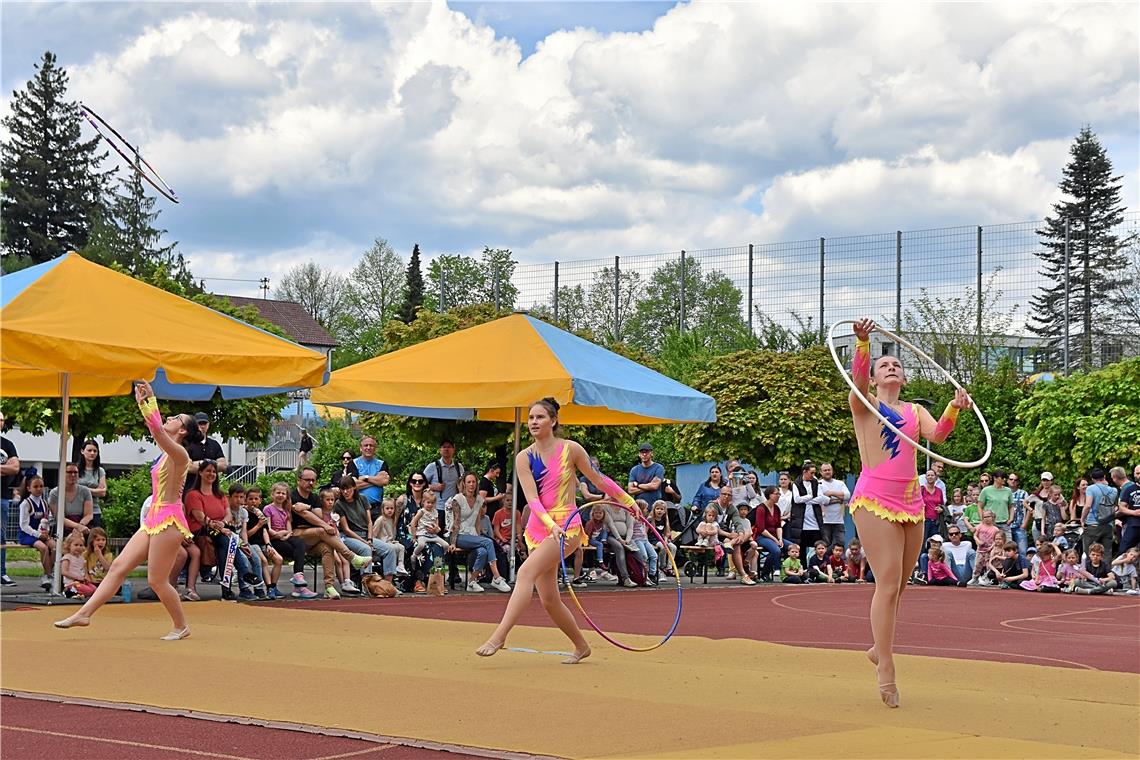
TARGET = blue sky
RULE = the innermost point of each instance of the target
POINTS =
(567, 131)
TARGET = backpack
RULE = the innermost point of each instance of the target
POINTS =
(635, 568)
(439, 470)
(1106, 504)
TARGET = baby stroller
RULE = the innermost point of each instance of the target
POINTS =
(691, 566)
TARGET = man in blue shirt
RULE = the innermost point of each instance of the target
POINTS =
(373, 475)
(645, 478)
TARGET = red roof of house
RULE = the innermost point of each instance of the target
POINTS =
(290, 317)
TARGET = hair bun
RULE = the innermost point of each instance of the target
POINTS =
(550, 400)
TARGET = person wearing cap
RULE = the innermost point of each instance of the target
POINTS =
(924, 560)
(646, 477)
(206, 450)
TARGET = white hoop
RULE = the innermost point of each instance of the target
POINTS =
(870, 407)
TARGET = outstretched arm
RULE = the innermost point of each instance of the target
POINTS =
(148, 405)
(611, 489)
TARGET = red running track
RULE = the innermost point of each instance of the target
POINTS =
(35, 729)
(1090, 632)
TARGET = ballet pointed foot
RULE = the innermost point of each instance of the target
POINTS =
(489, 648)
(889, 693)
(577, 657)
(177, 634)
(873, 657)
(73, 622)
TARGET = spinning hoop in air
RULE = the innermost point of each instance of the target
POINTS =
(143, 167)
(578, 604)
(890, 426)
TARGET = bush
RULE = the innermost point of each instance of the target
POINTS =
(265, 482)
(125, 495)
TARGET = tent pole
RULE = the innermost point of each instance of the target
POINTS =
(515, 488)
(65, 393)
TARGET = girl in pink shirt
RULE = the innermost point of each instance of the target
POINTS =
(1045, 573)
(938, 573)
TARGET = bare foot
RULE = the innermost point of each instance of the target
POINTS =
(489, 648)
(578, 656)
(75, 621)
(872, 656)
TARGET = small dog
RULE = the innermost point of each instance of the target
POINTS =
(376, 586)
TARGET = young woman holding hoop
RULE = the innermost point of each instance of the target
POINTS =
(164, 526)
(886, 504)
(547, 472)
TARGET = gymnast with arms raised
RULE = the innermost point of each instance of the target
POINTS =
(164, 525)
(546, 473)
(886, 504)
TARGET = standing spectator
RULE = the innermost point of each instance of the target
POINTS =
(804, 525)
(956, 511)
(488, 488)
(646, 477)
(77, 505)
(960, 555)
(347, 469)
(35, 527)
(467, 509)
(709, 490)
(785, 500)
(206, 450)
(92, 475)
(998, 498)
(835, 508)
(443, 475)
(1054, 509)
(372, 475)
(1036, 501)
(1019, 520)
(9, 479)
(940, 470)
(304, 448)
(1098, 513)
(1076, 500)
(1130, 509)
(933, 505)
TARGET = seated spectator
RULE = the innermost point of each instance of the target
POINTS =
(247, 565)
(321, 538)
(643, 550)
(618, 540)
(1044, 572)
(279, 516)
(1124, 568)
(663, 525)
(357, 532)
(856, 570)
(384, 530)
(425, 528)
(938, 573)
(1100, 570)
(596, 529)
(467, 509)
(819, 569)
(920, 572)
(988, 566)
(341, 569)
(501, 533)
(35, 527)
(97, 560)
(256, 537)
(959, 555)
(837, 563)
(74, 567)
(205, 512)
(739, 542)
(77, 502)
(768, 532)
(792, 571)
(1013, 569)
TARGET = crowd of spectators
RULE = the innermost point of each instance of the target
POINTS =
(992, 532)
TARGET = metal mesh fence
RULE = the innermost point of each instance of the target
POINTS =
(975, 281)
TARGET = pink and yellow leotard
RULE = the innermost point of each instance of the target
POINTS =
(162, 515)
(890, 488)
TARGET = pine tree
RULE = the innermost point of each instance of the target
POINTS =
(414, 288)
(52, 186)
(1094, 211)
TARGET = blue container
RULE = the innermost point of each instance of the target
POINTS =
(125, 590)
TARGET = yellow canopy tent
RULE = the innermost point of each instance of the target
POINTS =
(69, 327)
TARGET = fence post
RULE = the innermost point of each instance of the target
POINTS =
(682, 321)
(1065, 346)
(898, 281)
(822, 248)
(442, 308)
(978, 326)
(495, 285)
(750, 287)
(556, 291)
(617, 298)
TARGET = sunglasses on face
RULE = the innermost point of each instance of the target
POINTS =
(418, 481)
(347, 459)
(954, 534)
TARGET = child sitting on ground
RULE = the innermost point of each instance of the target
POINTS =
(837, 564)
(74, 567)
(1013, 569)
(1105, 579)
(384, 529)
(1070, 573)
(938, 573)
(1125, 569)
(791, 570)
(96, 558)
(818, 569)
(1044, 572)
(856, 563)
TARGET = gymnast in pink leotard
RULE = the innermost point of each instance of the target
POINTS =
(886, 504)
(158, 539)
